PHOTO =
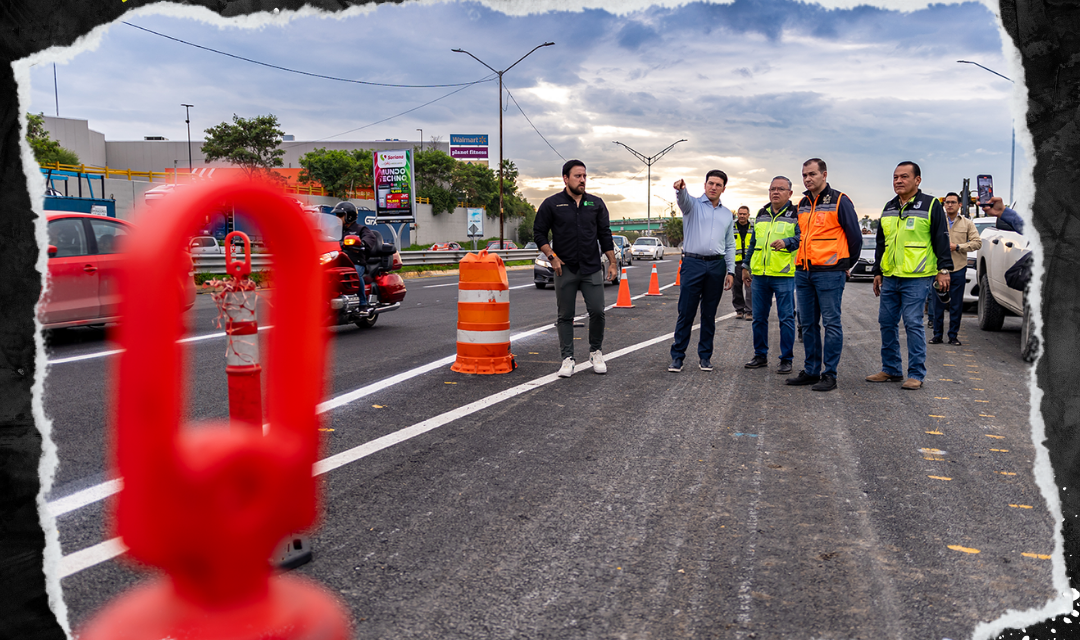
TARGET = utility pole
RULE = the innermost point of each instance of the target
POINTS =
(1012, 159)
(649, 161)
(421, 140)
(500, 74)
(187, 120)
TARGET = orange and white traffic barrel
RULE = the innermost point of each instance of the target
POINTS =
(483, 328)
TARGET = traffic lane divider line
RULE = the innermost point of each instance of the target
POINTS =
(109, 549)
(102, 354)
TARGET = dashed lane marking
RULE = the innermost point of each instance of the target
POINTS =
(956, 547)
(939, 477)
(1021, 506)
(1038, 556)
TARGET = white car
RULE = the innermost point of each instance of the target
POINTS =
(647, 248)
(1000, 250)
(206, 245)
(971, 284)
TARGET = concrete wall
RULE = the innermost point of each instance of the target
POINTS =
(77, 136)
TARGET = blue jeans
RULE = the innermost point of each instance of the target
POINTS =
(763, 289)
(701, 284)
(957, 280)
(363, 291)
(820, 294)
(903, 298)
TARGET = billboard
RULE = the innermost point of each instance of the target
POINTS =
(394, 186)
(469, 148)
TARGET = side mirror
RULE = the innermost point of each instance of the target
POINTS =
(52, 250)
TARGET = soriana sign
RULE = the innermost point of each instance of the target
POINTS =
(394, 186)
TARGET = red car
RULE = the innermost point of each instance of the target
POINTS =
(494, 244)
(446, 246)
(85, 256)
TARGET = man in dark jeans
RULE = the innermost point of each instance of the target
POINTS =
(577, 221)
(741, 295)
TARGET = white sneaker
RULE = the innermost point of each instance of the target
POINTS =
(597, 360)
(567, 368)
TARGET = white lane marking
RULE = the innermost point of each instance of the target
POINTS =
(522, 286)
(102, 354)
(109, 549)
(80, 499)
(448, 284)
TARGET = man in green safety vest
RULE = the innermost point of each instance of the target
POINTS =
(912, 251)
(740, 293)
(770, 265)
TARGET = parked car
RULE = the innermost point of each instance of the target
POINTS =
(1000, 250)
(544, 274)
(971, 281)
(647, 248)
(864, 266)
(622, 250)
(531, 245)
(85, 258)
(507, 244)
(206, 245)
(446, 246)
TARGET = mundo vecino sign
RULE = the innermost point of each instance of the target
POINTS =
(393, 181)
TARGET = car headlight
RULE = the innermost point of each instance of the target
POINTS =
(327, 257)
(541, 260)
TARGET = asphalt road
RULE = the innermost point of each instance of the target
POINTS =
(638, 504)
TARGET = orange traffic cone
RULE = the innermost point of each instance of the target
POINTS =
(654, 283)
(678, 272)
(624, 293)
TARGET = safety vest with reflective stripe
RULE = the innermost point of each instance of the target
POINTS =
(823, 240)
(909, 252)
(741, 241)
(769, 228)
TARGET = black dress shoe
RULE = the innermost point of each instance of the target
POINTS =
(757, 363)
(803, 378)
(955, 342)
(785, 367)
(827, 383)
(935, 340)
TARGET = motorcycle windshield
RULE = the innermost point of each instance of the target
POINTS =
(329, 227)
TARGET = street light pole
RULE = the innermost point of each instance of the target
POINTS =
(421, 140)
(502, 244)
(1012, 153)
(187, 120)
(649, 161)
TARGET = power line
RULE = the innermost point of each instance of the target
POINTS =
(307, 73)
(531, 124)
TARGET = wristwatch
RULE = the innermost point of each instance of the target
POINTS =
(943, 272)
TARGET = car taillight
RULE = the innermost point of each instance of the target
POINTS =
(328, 257)
(396, 262)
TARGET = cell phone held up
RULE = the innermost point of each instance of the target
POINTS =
(985, 186)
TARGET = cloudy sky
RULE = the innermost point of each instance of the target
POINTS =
(755, 86)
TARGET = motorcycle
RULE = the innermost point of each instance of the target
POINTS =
(383, 289)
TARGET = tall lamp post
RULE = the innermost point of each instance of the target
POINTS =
(649, 161)
(187, 120)
(421, 140)
(1012, 159)
(502, 244)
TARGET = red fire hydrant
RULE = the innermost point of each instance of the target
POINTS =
(207, 506)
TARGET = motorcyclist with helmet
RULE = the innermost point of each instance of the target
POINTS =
(347, 213)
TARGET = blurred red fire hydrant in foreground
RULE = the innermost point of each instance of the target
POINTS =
(208, 505)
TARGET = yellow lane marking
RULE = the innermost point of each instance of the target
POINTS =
(939, 398)
(956, 547)
(939, 477)
(982, 401)
(974, 378)
(974, 389)
(1001, 450)
(534, 353)
(322, 429)
(1021, 506)
(986, 415)
(936, 433)
(934, 458)
(933, 416)
(377, 406)
(949, 365)
(944, 379)
(449, 383)
(993, 436)
(1006, 473)
(933, 452)
(1039, 556)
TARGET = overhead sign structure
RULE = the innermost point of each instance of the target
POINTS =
(394, 186)
(475, 222)
(469, 148)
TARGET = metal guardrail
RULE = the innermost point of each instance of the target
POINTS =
(215, 263)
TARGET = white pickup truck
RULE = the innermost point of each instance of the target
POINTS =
(206, 245)
(1000, 250)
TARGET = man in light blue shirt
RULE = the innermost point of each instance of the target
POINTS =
(708, 266)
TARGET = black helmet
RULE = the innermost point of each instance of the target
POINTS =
(346, 210)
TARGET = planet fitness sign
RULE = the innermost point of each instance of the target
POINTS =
(393, 180)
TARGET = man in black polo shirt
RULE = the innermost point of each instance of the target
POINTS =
(577, 221)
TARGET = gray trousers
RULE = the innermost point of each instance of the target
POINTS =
(592, 289)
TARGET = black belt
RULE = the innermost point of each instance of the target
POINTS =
(718, 256)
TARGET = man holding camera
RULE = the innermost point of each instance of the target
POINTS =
(963, 238)
(912, 251)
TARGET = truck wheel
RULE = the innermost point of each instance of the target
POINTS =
(991, 314)
(367, 322)
(1029, 339)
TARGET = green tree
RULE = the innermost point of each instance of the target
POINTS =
(434, 172)
(46, 150)
(250, 144)
(673, 229)
(476, 185)
(339, 172)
